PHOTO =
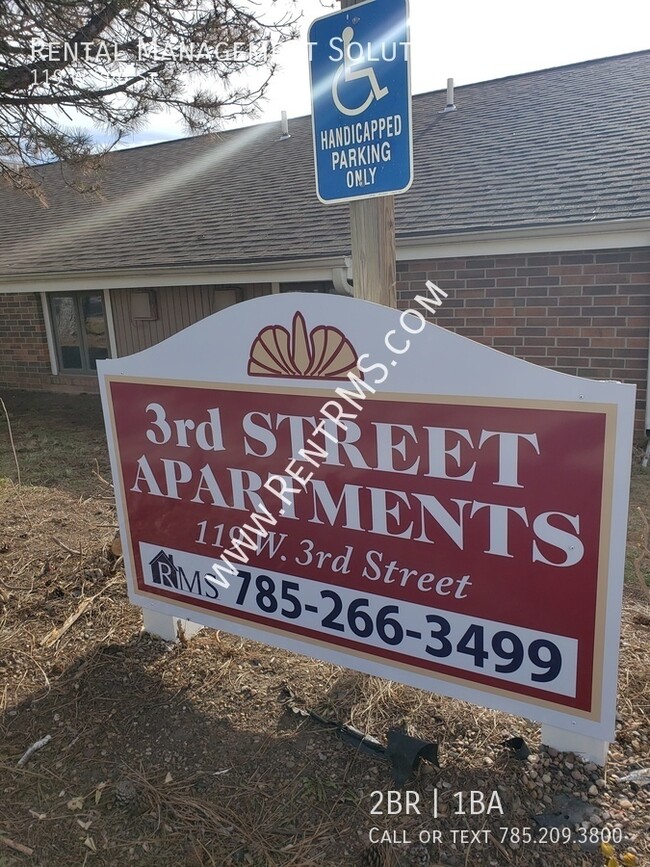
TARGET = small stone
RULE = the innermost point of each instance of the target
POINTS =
(577, 775)
(601, 783)
(595, 819)
(488, 761)
(553, 753)
(593, 790)
(546, 778)
(624, 804)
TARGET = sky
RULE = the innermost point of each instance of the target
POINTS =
(467, 40)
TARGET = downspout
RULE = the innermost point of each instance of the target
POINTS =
(341, 278)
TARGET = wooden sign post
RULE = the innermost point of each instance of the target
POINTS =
(374, 269)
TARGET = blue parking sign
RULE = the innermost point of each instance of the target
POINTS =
(361, 101)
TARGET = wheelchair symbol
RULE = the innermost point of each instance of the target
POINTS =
(351, 74)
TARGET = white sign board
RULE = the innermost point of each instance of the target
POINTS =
(336, 478)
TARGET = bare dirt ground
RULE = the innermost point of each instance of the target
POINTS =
(189, 755)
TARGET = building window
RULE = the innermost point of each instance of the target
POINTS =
(79, 330)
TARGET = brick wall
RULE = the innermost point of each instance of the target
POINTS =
(584, 313)
(24, 356)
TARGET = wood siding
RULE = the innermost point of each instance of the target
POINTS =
(177, 308)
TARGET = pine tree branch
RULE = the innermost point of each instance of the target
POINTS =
(22, 77)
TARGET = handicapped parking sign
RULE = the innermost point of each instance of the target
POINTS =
(361, 101)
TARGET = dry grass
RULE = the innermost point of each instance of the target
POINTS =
(224, 774)
(59, 440)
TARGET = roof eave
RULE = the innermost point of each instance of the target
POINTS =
(229, 274)
(594, 235)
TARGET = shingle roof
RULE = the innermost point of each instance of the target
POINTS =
(568, 145)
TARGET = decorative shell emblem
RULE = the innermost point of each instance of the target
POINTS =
(323, 353)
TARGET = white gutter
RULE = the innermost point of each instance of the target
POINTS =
(548, 239)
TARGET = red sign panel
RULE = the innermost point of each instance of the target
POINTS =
(460, 540)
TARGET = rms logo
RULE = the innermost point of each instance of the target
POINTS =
(180, 575)
(163, 570)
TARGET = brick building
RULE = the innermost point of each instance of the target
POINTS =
(530, 206)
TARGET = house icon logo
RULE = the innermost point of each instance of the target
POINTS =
(163, 570)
